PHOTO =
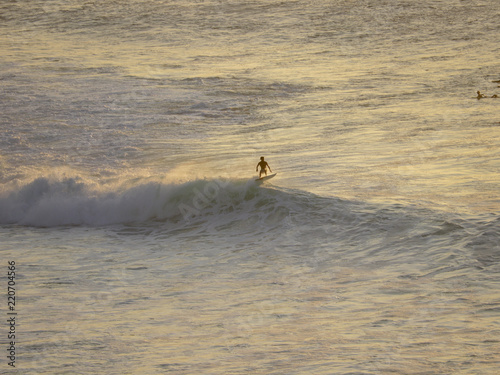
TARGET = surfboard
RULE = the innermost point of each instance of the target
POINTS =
(262, 179)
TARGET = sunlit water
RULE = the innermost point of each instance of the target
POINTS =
(130, 135)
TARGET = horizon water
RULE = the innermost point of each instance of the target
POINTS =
(142, 244)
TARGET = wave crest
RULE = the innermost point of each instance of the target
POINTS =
(46, 202)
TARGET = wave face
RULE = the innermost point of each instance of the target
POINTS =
(46, 202)
(297, 219)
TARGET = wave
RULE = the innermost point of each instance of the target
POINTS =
(46, 202)
(238, 207)
(323, 229)
(210, 204)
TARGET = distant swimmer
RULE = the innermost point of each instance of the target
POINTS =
(481, 96)
(263, 165)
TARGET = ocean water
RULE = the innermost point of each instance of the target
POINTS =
(130, 131)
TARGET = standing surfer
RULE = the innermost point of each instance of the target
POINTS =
(263, 165)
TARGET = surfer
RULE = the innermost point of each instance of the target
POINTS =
(263, 165)
(480, 96)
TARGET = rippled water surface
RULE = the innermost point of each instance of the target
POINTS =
(130, 131)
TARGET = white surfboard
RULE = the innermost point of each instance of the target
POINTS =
(262, 179)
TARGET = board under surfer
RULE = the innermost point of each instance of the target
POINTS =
(263, 165)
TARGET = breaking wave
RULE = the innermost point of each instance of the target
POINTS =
(241, 207)
(46, 202)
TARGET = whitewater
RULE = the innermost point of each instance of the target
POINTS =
(141, 242)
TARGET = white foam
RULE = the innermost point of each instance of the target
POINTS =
(49, 202)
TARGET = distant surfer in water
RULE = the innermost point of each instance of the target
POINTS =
(480, 96)
(263, 165)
